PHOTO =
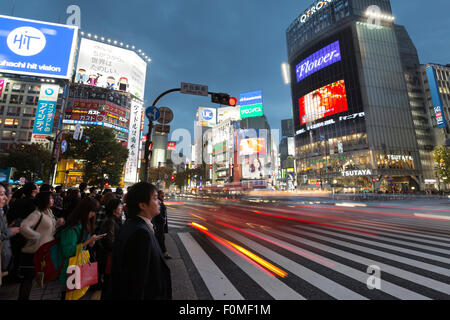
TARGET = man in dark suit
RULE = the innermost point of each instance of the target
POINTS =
(160, 224)
(139, 270)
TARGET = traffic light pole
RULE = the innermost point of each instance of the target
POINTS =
(148, 153)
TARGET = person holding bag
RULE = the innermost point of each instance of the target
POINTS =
(77, 235)
(38, 228)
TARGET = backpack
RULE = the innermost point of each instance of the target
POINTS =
(49, 260)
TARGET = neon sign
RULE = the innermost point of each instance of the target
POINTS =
(317, 7)
(318, 61)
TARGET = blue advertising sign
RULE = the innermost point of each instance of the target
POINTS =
(36, 48)
(45, 114)
(319, 60)
(251, 104)
(251, 98)
(436, 98)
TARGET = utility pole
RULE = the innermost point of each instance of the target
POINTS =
(148, 153)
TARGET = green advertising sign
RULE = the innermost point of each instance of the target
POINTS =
(255, 110)
(251, 104)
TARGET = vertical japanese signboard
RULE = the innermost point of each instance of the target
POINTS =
(134, 138)
(45, 114)
(436, 98)
(2, 85)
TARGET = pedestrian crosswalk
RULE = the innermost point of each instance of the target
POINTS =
(177, 219)
(321, 262)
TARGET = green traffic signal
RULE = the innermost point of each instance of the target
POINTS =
(87, 139)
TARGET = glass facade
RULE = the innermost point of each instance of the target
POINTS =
(367, 142)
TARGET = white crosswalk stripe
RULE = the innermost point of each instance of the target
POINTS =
(218, 284)
(368, 227)
(387, 246)
(410, 276)
(389, 288)
(333, 262)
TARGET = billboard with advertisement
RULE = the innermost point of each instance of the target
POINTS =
(436, 98)
(251, 104)
(45, 114)
(97, 112)
(226, 113)
(253, 168)
(107, 66)
(321, 103)
(134, 142)
(37, 48)
(318, 61)
(207, 117)
(253, 146)
(172, 146)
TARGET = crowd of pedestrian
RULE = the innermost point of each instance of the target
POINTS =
(123, 233)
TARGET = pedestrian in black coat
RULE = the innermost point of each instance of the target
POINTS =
(160, 224)
(139, 270)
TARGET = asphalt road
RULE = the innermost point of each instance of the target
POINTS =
(320, 250)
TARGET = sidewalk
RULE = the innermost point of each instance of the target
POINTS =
(182, 288)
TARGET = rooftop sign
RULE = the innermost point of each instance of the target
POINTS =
(315, 8)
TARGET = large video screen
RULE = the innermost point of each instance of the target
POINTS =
(324, 102)
(103, 65)
(254, 146)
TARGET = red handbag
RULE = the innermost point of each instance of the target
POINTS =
(88, 274)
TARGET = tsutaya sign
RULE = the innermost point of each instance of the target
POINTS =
(356, 173)
(315, 8)
(319, 60)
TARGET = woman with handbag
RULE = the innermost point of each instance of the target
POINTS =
(79, 230)
(38, 228)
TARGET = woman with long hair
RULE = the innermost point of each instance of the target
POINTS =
(38, 228)
(80, 227)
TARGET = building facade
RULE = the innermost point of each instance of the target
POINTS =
(353, 124)
(19, 99)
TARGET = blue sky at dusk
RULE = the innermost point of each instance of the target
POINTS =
(232, 46)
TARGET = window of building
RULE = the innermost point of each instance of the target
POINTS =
(29, 112)
(11, 123)
(13, 111)
(18, 87)
(32, 100)
(8, 135)
(24, 136)
(17, 99)
(34, 88)
(27, 124)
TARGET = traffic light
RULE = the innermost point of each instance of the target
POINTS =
(172, 178)
(224, 99)
(87, 139)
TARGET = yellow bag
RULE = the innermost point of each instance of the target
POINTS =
(82, 257)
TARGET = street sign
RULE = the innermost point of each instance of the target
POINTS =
(152, 113)
(194, 89)
(166, 115)
(64, 146)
